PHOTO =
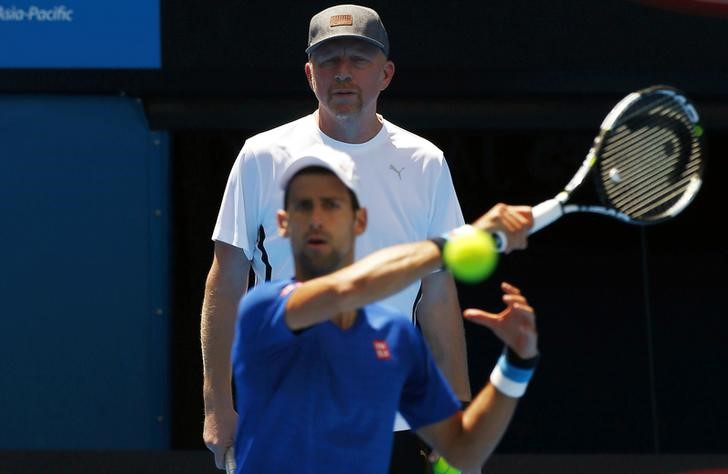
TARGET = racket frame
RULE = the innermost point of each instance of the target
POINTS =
(550, 210)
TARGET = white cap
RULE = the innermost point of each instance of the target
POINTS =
(324, 156)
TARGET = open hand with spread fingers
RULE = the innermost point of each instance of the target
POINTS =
(515, 325)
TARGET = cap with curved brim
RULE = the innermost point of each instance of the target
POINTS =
(347, 21)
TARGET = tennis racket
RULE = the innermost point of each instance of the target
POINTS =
(646, 163)
(230, 461)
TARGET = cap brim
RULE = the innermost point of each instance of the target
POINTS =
(301, 163)
(343, 36)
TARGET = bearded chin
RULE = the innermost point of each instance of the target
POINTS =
(348, 115)
(313, 268)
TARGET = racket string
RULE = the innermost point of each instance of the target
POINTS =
(639, 202)
(645, 168)
(635, 133)
(635, 163)
(664, 199)
(667, 201)
(648, 173)
(640, 165)
(624, 143)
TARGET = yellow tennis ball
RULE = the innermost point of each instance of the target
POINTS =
(470, 254)
(442, 467)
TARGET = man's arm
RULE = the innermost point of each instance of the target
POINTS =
(389, 270)
(438, 312)
(370, 279)
(439, 316)
(226, 283)
(466, 439)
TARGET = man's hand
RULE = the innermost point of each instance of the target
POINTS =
(514, 221)
(467, 439)
(224, 287)
(515, 325)
(219, 433)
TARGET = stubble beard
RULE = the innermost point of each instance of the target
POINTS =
(314, 267)
(348, 110)
(352, 112)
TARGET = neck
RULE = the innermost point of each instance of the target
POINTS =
(345, 320)
(359, 129)
(342, 320)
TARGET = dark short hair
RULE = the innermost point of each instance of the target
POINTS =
(318, 170)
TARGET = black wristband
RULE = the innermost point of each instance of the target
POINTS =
(440, 242)
(517, 361)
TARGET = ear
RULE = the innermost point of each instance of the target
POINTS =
(309, 74)
(387, 75)
(282, 217)
(360, 221)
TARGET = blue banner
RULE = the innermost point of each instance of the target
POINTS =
(93, 34)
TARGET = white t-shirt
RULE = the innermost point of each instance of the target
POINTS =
(405, 184)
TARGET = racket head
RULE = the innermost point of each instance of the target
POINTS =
(650, 155)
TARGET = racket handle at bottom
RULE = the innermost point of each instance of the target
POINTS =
(230, 461)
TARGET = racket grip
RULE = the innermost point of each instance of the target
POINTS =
(545, 213)
(230, 461)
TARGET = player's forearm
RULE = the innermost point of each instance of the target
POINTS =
(482, 426)
(387, 271)
(216, 335)
(440, 318)
(370, 279)
(486, 420)
(217, 330)
(475, 433)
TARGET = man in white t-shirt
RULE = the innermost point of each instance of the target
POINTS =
(405, 181)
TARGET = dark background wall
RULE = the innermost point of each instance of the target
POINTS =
(443, 49)
(84, 352)
(631, 319)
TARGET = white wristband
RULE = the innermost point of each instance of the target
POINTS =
(509, 380)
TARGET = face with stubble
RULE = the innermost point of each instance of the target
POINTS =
(347, 76)
(321, 222)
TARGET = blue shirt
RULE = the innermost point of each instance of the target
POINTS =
(323, 399)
